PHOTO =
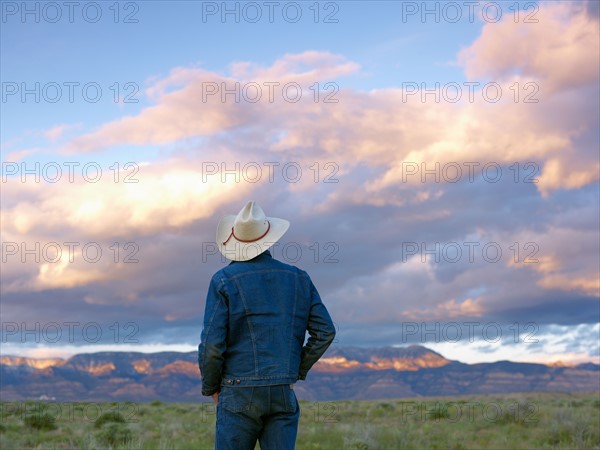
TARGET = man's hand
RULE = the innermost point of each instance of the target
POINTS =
(215, 398)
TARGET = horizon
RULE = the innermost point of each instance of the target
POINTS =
(65, 355)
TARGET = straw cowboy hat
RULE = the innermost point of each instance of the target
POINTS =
(248, 234)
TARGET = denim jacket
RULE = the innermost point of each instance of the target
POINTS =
(255, 322)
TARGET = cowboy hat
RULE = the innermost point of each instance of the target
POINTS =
(248, 234)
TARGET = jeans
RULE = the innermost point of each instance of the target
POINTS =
(268, 414)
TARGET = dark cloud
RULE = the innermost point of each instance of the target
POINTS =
(164, 292)
(593, 9)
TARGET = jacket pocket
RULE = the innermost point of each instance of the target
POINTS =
(236, 399)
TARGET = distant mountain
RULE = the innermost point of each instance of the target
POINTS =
(349, 373)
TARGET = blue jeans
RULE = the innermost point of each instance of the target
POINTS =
(268, 414)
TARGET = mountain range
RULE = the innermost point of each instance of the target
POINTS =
(346, 373)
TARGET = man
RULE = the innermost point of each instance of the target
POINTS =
(252, 346)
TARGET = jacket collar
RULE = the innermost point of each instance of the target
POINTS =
(261, 257)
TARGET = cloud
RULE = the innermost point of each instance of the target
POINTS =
(151, 199)
(448, 310)
(557, 345)
(200, 106)
(391, 128)
(18, 155)
(565, 36)
(352, 231)
(56, 222)
(564, 257)
(57, 131)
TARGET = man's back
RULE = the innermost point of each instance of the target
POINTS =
(261, 309)
(252, 348)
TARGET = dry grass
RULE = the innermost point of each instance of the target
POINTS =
(518, 421)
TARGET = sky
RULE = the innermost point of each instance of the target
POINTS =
(438, 162)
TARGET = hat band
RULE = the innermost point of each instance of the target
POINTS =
(251, 240)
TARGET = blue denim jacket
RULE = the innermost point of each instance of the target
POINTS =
(255, 322)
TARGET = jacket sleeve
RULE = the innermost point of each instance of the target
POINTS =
(321, 333)
(213, 339)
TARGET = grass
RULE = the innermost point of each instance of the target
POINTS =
(515, 421)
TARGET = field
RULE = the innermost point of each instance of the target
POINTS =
(516, 421)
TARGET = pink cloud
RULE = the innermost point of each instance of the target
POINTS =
(57, 131)
(20, 154)
(561, 50)
(387, 128)
(165, 196)
(192, 110)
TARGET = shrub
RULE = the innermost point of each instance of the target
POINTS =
(41, 421)
(386, 406)
(439, 412)
(359, 445)
(508, 416)
(114, 434)
(559, 435)
(110, 416)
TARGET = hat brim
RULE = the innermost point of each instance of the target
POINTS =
(244, 251)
